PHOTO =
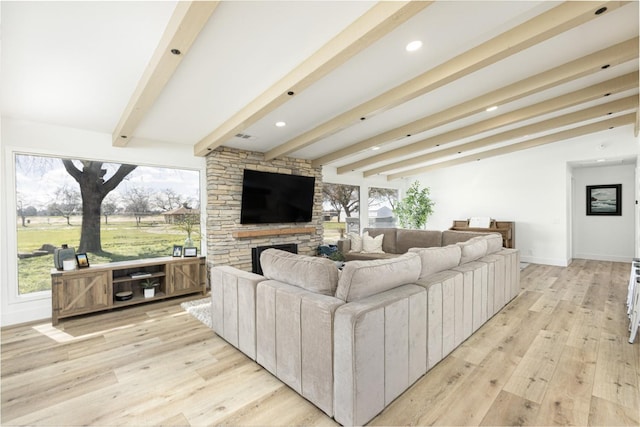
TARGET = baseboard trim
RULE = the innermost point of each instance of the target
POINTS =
(601, 257)
(545, 261)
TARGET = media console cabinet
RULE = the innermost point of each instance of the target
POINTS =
(92, 289)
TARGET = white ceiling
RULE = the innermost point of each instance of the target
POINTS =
(78, 63)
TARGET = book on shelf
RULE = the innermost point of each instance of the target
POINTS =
(140, 275)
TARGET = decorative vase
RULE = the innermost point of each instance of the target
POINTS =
(149, 292)
(188, 243)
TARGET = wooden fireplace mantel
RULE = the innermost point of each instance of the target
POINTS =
(245, 234)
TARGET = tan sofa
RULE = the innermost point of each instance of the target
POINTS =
(397, 241)
(352, 342)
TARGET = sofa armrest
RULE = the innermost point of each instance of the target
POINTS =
(380, 350)
(512, 272)
(233, 307)
(295, 339)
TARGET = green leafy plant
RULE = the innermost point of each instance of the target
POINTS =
(148, 284)
(415, 207)
(337, 256)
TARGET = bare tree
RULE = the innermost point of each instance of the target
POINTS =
(93, 189)
(138, 203)
(21, 211)
(167, 200)
(24, 211)
(67, 203)
(342, 197)
(388, 195)
(108, 208)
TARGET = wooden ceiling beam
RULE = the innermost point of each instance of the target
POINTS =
(611, 56)
(377, 22)
(540, 28)
(535, 142)
(565, 120)
(185, 24)
(600, 90)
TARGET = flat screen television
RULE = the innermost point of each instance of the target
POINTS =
(269, 197)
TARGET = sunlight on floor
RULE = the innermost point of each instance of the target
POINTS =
(61, 336)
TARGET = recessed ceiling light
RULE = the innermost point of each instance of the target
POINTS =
(281, 124)
(413, 46)
(493, 108)
(375, 148)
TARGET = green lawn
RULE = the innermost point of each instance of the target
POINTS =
(332, 231)
(121, 240)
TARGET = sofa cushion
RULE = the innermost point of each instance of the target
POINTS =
(359, 279)
(450, 237)
(372, 245)
(356, 242)
(407, 239)
(315, 274)
(389, 240)
(360, 256)
(473, 249)
(494, 243)
(434, 260)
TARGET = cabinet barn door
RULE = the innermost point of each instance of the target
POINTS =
(185, 277)
(83, 293)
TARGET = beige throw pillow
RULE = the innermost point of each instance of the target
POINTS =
(356, 242)
(372, 245)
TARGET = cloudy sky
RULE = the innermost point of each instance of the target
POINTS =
(38, 178)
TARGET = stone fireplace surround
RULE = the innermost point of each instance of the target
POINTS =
(228, 241)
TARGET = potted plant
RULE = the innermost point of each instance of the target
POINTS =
(338, 258)
(149, 287)
(415, 207)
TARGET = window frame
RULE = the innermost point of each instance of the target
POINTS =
(8, 187)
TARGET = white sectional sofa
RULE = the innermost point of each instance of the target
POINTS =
(351, 342)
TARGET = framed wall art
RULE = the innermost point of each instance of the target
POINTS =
(604, 199)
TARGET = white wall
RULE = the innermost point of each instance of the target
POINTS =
(531, 187)
(36, 138)
(607, 238)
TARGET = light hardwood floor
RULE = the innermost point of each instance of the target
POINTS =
(556, 355)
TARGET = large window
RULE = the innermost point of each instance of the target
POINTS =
(113, 212)
(382, 204)
(341, 210)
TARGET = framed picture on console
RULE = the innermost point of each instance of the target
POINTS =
(604, 199)
(177, 250)
(190, 252)
(82, 260)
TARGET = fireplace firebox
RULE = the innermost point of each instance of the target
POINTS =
(255, 254)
